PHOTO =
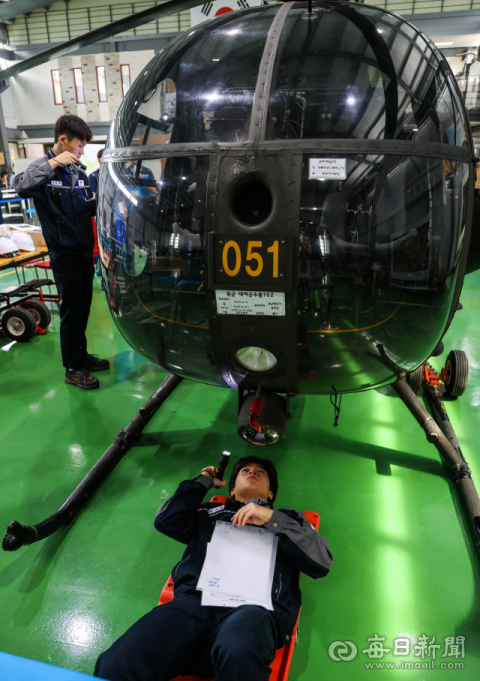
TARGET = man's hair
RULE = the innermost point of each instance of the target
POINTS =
(264, 463)
(99, 154)
(73, 127)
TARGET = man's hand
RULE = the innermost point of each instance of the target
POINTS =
(212, 472)
(252, 513)
(66, 158)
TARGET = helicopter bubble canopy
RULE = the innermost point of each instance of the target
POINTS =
(296, 184)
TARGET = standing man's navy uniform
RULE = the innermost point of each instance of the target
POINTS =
(65, 206)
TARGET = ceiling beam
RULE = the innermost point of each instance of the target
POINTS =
(14, 8)
(164, 9)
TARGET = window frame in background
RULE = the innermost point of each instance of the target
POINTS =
(127, 66)
(102, 101)
(79, 86)
(60, 103)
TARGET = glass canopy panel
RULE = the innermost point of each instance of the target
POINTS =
(353, 72)
(378, 259)
(200, 88)
(151, 225)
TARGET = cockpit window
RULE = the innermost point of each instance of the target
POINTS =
(357, 73)
(156, 115)
(201, 88)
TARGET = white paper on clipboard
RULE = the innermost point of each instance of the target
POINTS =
(240, 563)
(222, 601)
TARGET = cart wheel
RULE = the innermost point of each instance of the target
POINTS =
(457, 373)
(18, 324)
(414, 378)
(39, 312)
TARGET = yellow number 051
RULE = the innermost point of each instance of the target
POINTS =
(232, 272)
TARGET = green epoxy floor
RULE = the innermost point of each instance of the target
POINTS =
(398, 535)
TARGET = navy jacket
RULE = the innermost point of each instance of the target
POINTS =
(65, 211)
(93, 180)
(185, 518)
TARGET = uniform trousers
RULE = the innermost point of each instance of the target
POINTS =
(73, 273)
(183, 637)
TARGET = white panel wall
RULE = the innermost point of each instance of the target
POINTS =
(137, 60)
(8, 109)
(32, 94)
(30, 97)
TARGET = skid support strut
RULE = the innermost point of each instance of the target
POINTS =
(22, 535)
(446, 442)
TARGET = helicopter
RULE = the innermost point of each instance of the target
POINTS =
(285, 188)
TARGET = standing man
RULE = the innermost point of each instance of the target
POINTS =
(65, 206)
(93, 177)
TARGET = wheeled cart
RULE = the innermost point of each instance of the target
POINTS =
(23, 309)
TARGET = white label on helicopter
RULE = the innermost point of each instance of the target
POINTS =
(261, 303)
(327, 169)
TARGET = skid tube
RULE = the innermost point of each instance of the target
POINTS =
(446, 443)
(22, 535)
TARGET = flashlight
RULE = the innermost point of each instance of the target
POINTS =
(224, 459)
(80, 165)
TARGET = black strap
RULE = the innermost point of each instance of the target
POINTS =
(336, 403)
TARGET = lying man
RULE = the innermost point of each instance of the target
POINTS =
(229, 644)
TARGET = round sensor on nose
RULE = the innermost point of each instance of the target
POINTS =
(255, 359)
(252, 202)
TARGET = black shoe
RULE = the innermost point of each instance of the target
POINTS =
(94, 363)
(82, 378)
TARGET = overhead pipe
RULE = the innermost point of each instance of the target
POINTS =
(101, 33)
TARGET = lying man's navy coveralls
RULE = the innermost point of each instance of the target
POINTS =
(229, 644)
(65, 210)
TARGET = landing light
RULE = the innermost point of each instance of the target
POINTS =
(255, 359)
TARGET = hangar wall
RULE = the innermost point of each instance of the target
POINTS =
(60, 21)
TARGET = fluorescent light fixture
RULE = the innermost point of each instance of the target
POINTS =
(443, 44)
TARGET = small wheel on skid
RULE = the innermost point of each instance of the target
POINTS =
(39, 312)
(457, 373)
(414, 378)
(18, 324)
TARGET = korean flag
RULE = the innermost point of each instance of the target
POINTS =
(210, 10)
